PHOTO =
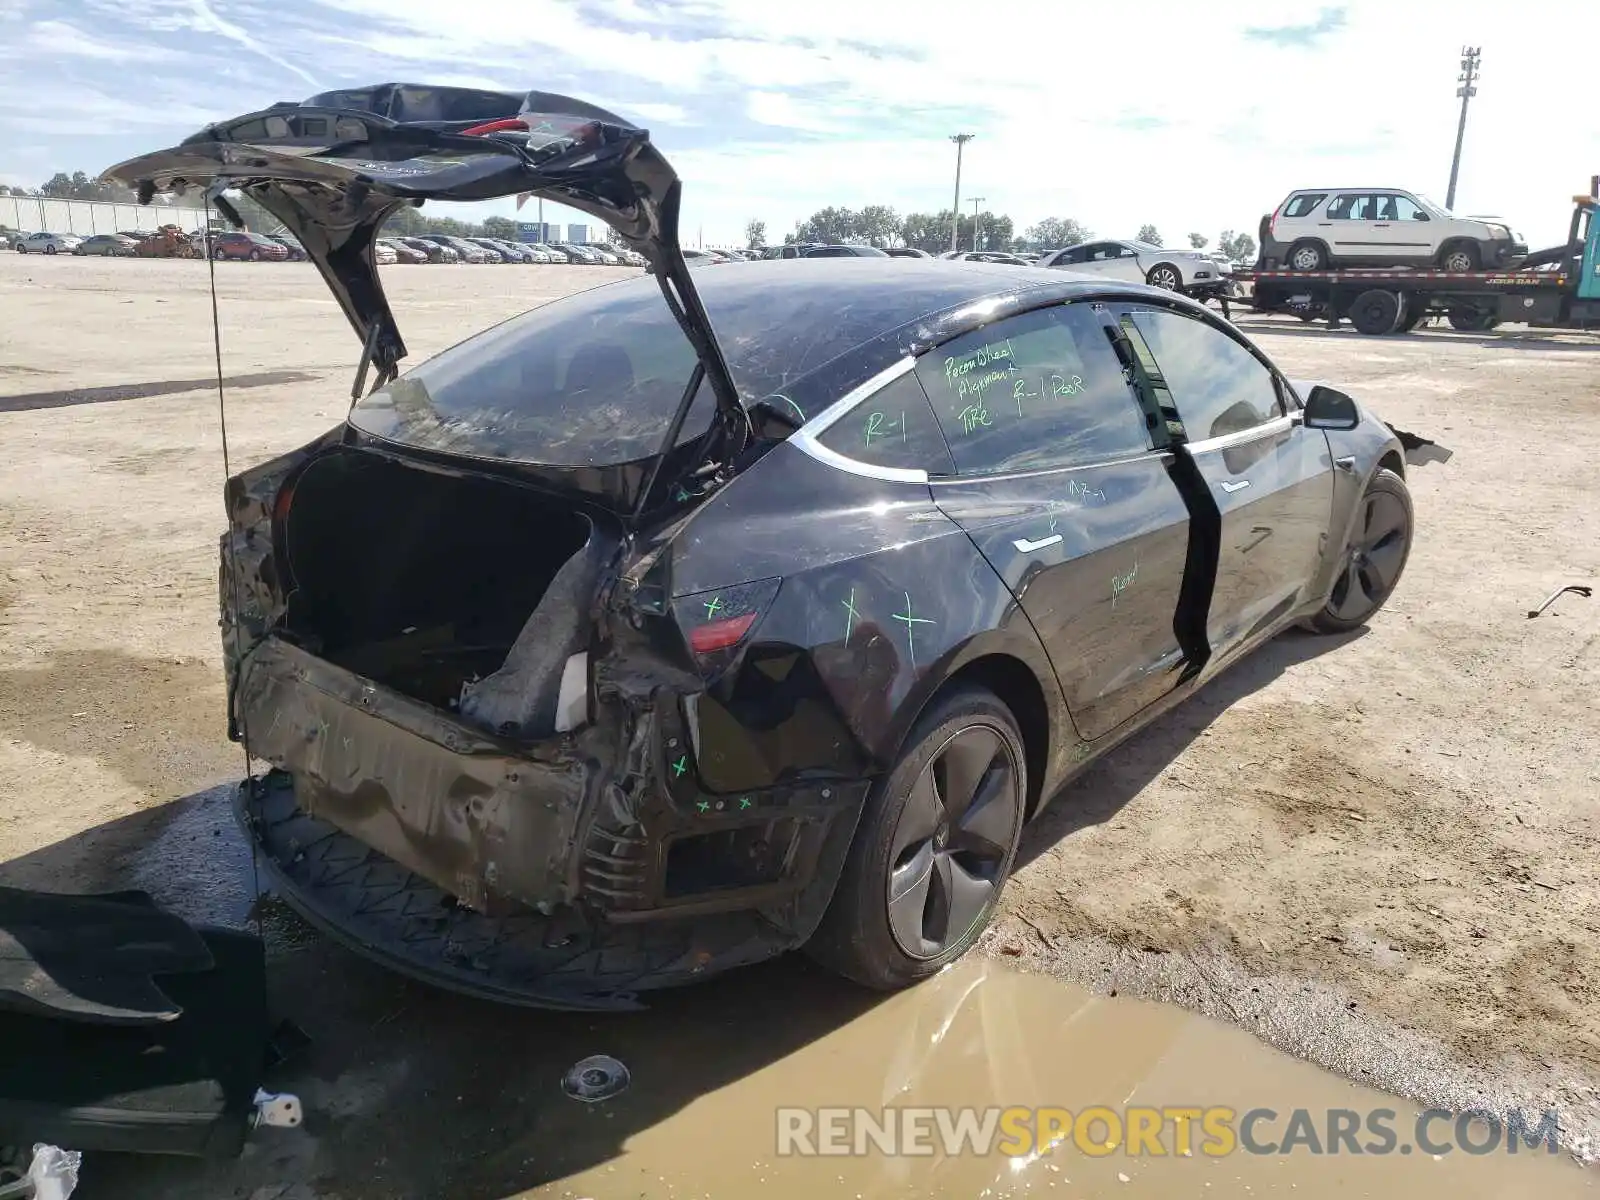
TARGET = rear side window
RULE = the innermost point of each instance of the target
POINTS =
(1304, 204)
(894, 428)
(1043, 389)
(1219, 387)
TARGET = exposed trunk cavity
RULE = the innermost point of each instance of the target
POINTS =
(466, 592)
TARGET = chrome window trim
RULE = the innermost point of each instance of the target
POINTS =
(806, 437)
(1272, 428)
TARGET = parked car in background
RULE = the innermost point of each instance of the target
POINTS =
(520, 251)
(48, 243)
(402, 252)
(297, 252)
(1189, 271)
(10, 237)
(606, 255)
(242, 244)
(111, 245)
(1004, 257)
(436, 252)
(1316, 228)
(491, 253)
(383, 255)
(578, 254)
(467, 252)
(553, 253)
(906, 252)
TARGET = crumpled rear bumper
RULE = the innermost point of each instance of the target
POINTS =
(477, 817)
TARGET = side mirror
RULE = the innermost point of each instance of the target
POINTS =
(1330, 409)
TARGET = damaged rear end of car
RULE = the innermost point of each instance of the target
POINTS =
(445, 625)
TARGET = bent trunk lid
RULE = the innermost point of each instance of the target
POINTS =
(334, 167)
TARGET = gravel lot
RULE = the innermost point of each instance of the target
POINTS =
(1377, 852)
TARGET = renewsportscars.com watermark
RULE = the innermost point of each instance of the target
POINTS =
(1145, 1130)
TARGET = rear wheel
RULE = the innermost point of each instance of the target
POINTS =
(1376, 312)
(1374, 557)
(1165, 276)
(934, 847)
(1307, 256)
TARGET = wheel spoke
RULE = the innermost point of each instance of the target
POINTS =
(1383, 563)
(1385, 516)
(957, 900)
(1347, 602)
(909, 886)
(920, 819)
(987, 827)
(962, 767)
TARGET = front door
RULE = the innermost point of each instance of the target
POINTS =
(1061, 490)
(1270, 476)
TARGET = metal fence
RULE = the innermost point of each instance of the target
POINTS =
(37, 214)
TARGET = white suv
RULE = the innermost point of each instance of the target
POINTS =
(1316, 228)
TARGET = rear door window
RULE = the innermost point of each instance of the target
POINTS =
(1043, 389)
(1218, 385)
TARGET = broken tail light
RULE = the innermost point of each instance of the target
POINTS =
(716, 624)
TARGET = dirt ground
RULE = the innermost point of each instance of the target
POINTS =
(1377, 852)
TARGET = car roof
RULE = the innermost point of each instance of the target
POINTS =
(778, 320)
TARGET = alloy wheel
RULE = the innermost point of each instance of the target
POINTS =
(1306, 259)
(952, 841)
(1165, 277)
(1372, 563)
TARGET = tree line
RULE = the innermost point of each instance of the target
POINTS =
(881, 226)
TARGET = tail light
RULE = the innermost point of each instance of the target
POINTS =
(717, 623)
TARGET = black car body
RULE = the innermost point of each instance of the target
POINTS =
(649, 633)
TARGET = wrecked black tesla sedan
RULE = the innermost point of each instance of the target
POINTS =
(690, 619)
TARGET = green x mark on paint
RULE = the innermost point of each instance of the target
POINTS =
(703, 805)
(713, 606)
(745, 801)
(679, 767)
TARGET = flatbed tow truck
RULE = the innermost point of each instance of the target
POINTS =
(1557, 288)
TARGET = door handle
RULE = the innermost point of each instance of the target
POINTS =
(1024, 546)
(1346, 464)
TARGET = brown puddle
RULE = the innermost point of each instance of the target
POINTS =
(980, 1035)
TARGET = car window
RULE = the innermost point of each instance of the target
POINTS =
(1304, 204)
(1401, 208)
(1219, 387)
(1043, 389)
(893, 428)
(1343, 208)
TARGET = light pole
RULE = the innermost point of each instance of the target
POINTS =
(1470, 56)
(960, 139)
(976, 200)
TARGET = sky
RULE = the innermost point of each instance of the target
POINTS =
(1189, 116)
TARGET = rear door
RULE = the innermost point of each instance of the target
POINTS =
(1270, 476)
(1060, 487)
(1350, 225)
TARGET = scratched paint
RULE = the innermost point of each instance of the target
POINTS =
(851, 616)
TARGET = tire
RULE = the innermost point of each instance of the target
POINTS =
(1461, 256)
(1412, 314)
(907, 843)
(1471, 320)
(255, 256)
(1306, 256)
(1376, 312)
(218, 254)
(50, 248)
(1374, 558)
(1166, 277)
